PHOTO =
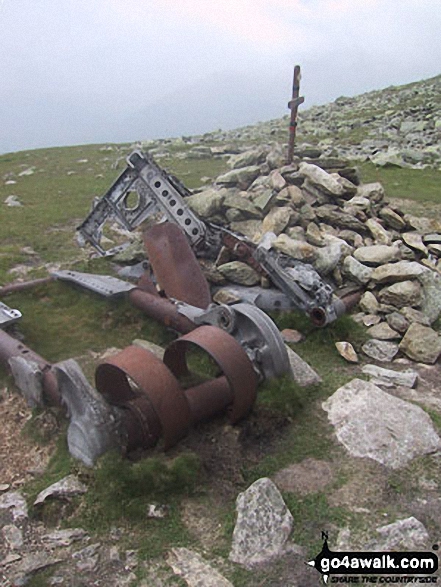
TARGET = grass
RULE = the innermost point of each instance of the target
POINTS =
(418, 185)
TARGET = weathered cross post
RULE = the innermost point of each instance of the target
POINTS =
(293, 105)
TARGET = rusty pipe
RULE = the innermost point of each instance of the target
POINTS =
(209, 398)
(17, 287)
(160, 309)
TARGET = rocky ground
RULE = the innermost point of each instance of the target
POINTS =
(377, 484)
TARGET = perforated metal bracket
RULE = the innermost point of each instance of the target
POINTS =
(8, 315)
(141, 190)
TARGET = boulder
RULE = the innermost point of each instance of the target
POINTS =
(277, 220)
(383, 331)
(263, 525)
(356, 270)
(247, 158)
(400, 271)
(239, 273)
(326, 182)
(414, 240)
(380, 350)
(408, 534)
(347, 351)
(403, 293)
(377, 254)
(242, 177)
(369, 303)
(392, 435)
(243, 204)
(207, 203)
(392, 219)
(296, 249)
(380, 235)
(303, 374)
(421, 343)
(373, 191)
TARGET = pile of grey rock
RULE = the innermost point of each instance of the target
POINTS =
(321, 215)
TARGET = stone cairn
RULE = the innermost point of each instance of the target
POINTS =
(349, 232)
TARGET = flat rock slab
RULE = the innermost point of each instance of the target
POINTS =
(263, 525)
(390, 378)
(195, 571)
(380, 350)
(65, 488)
(392, 435)
(407, 534)
(308, 476)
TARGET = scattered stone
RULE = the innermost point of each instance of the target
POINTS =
(13, 536)
(240, 273)
(431, 304)
(356, 270)
(225, 296)
(64, 489)
(347, 351)
(415, 241)
(403, 293)
(4, 487)
(369, 303)
(14, 501)
(383, 331)
(13, 202)
(296, 249)
(32, 563)
(263, 525)
(195, 571)
(156, 511)
(377, 254)
(370, 319)
(397, 322)
(303, 374)
(291, 336)
(400, 271)
(408, 535)
(277, 181)
(308, 476)
(243, 205)
(87, 558)
(392, 435)
(321, 179)
(390, 378)
(421, 343)
(392, 219)
(62, 538)
(380, 235)
(207, 203)
(380, 350)
(247, 158)
(277, 220)
(243, 177)
(28, 171)
(413, 315)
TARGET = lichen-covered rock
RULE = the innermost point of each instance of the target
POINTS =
(421, 343)
(321, 179)
(403, 293)
(383, 331)
(369, 303)
(400, 271)
(347, 351)
(277, 220)
(195, 571)
(380, 350)
(243, 177)
(207, 203)
(377, 254)
(263, 525)
(300, 250)
(356, 271)
(239, 273)
(392, 435)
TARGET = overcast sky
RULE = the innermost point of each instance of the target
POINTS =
(77, 71)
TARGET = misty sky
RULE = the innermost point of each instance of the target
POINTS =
(77, 71)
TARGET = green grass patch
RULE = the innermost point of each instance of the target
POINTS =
(420, 185)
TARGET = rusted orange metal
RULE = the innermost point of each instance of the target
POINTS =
(175, 266)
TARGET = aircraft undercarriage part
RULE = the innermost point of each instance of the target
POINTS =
(8, 315)
(95, 426)
(175, 266)
(33, 375)
(253, 329)
(151, 399)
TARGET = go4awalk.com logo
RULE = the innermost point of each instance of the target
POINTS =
(375, 567)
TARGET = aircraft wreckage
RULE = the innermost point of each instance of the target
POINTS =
(138, 398)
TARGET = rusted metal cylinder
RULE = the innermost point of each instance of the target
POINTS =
(228, 354)
(209, 398)
(161, 309)
(137, 373)
(11, 347)
(17, 287)
(141, 424)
